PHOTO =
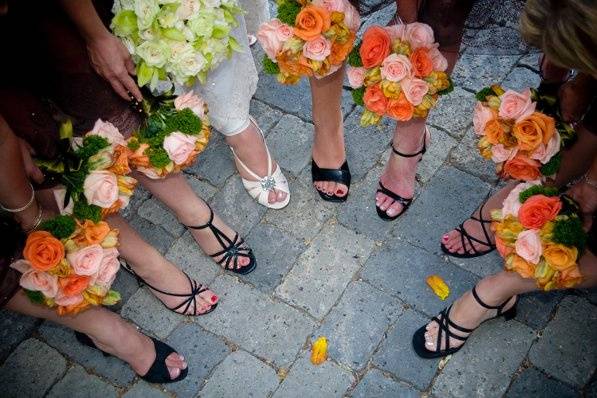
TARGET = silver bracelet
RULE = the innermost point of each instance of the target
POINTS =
(589, 182)
(20, 209)
(37, 221)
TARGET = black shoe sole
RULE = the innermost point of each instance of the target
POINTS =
(248, 268)
(464, 255)
(333, 198)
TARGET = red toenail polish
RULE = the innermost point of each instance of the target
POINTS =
(214, 298)
(340, 192)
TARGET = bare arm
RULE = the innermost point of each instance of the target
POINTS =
(407, 10)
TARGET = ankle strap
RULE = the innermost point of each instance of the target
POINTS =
(410, 155)
(206, 225)
(483, 304)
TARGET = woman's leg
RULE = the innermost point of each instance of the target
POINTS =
(328, 143)
(108, 331)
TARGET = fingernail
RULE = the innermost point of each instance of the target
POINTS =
(214, 298)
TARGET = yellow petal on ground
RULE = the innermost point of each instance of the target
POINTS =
(439, 287)
(319, 351)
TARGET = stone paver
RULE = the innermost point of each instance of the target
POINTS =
(567, 349)
(241, 375)
(14, 328)
(201, 187)
(376, 385)
(214, 164)
(292, 139)
(521, 78)
(155, 212)
(266, 116)
(532, 383)
(31, 369)
(475, 71)
(308, 380)
(155, 235)
(142, 389)
(356, 326)
(454, 112)
(186, 254)
(466, 157)
(144, 309)
(438, 151)
(536, 309)
(324, 269)
(79, 384)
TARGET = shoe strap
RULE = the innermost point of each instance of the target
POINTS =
(444, 331)
(411, 155)
(405, 202)
(158, 372)
(269, 158)
(341, 175)
(487, 306)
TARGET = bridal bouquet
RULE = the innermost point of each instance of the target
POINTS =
(309, 38)
(516, 131)
(540, 235)
(176, 41)
(397, 71)
(175, 132)
(70, 265)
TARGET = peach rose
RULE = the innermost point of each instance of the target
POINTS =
(86, 261)
(538, 210)
(352, 19)
(331, 5)
(108, 131)
(560, 257)
(414, 90)
(34, 280)
(72, 285)
(439, 62)
(43, 251)
(512, 204)
(396, 67)
(419, 35)
(481, 115)
(401, 109)
(522, 267)
(317, 49)
(521, 167)
(67, 301)
(570, 277)
(516, 105)
(108, 269)
(544, 153)
(421, 62)
(534, 130)
(179, 147)
(375, 100)
(397, 32)
(339, 53)
(500, 153)
(311, 22)
(190, 101)
(375, 46)
(356, 76)
(528, 246)
(101, 188)
(272, 35)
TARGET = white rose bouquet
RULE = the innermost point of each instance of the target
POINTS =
(176, 41)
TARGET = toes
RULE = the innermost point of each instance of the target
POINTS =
(394, 209)
(209, 297)
(386, 203)
(281, 196)
(341, 190)
(271, 197)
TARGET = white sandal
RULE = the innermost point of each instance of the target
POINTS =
(260, 189)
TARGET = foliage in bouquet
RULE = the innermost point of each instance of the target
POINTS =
(176, 40)
(176, 130)
(93, 170)
(70, 265)
(308, 38)
(397, 71)
(539, 234)
(521, 132)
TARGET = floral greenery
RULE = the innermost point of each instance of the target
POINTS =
(84, 211)
(448, 89)
(568, 231)
(269, 66)
(552, 167)
(537, 190)
(287, 11)
(158, 157)
(91, 145)
(60, 226)
(484, 93)
(35, 296)
(184, 121)
(354, 58)
(357, 96)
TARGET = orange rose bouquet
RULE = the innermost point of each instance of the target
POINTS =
(308, 38)
(520, 132)
(70, 265)
(176, 130)
(539, 234)
(397, 71)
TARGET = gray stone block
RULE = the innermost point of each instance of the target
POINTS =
(530, 60)
(454, 112)
(215, 164)
(126, 285)
(567, 348)
(202, 351)
(153, 234)
(144, 309)
(290, 141)
(234, 205)
(308, 380)
(397, 356)
(276, 252)
(536, 309)
(376, 385)
(402, 269)
(487, 264)
(467, 158)
(266, 116)
(142, 389)
(155, 212)
(14, 328)
(31, 370)
(440, 207)
(532, 383)
(79, 384)
(474, 71)
(324, 269)
(241, 375)
(263, 326)
(357, 324)
(438, 151)
(485, 365)
(111, 368)
(139, 196)
(368, 6)
(381, 17)
(521, 78)
(186, 254)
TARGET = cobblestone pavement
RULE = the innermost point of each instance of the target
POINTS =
(333, 270)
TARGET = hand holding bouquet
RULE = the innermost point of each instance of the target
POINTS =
(539, 234)
(70, 265)
(309, 38)
(397, 71)
(175, 132)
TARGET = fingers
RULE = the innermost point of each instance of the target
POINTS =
(130, 66)
(119, 88)
(32, 171)
(129, 84)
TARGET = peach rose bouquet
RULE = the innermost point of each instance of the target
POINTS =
(539, 234)
(70, 265)
(176, 130)
(520, 132)
(308, 38)
(397, 71)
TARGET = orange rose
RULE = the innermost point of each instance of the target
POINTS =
(375, 47)
(570, 277)
(121, 161)
(522, 267)
(72, 309)
(560, 257)
(538, 210)
(73, 285)
(91, 233)
(503, 249)
(291, 65)
(534, 130)
(311, 22)
(422, 63)
(139, 158)
(495, 132)
(401, 109)
(521, 167)
(341, 50)
(43, 251)
(375, 100)
(115, 208)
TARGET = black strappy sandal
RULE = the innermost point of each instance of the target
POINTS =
(405, 202)
(191, 298)
(470, 239)
(341, 176)
(158, 372)
(232, 248)
(445, 323)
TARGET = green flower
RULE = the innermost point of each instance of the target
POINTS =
(124, 24)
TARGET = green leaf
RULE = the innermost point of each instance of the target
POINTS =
(357, 96)
(448, 89)
(269, 66)
(60, 227)
(84, 211)
(354, 58)
(92, 144)
(66, 130)
(124, 23)
(35, 296)
(569, 232)
(537, 190)
(483, 93)
(287, 11)
(144, 74)
(550, 168)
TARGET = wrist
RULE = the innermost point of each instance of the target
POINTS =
(590, 181)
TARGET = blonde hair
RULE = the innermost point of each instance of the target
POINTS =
(565, 30)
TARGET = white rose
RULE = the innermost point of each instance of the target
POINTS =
(154, 53)
(186, 63)
(211, 3)
(188, 8)
(146, 11)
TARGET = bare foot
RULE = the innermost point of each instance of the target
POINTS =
(329, 153)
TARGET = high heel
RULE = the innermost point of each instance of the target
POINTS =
(471, 239)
